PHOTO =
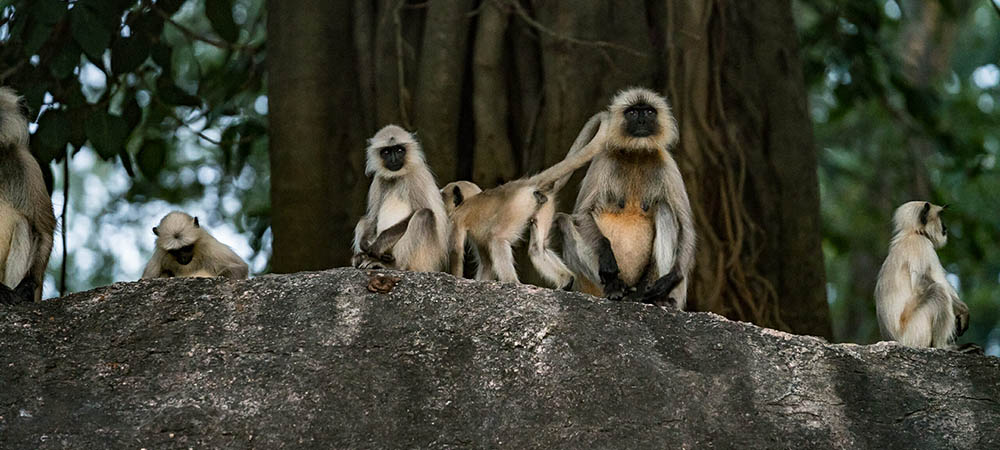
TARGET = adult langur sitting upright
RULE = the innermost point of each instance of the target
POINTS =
(631, 234)
(26, 218)
(405, 226)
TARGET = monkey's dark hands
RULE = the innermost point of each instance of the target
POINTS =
(363, 261)
(607, 269)
(961, 317)
(24, 292)
(8, 296)
(614, 287)
(658, 292)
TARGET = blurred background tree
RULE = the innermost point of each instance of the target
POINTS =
(164, 104)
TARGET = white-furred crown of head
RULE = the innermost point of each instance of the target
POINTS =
(619, 137)
(390, 136)
(921, 218)
(457, 192)
(177, 230)
(13, 123)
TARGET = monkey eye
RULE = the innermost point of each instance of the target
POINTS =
(649, 112)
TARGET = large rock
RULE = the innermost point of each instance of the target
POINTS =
(316, 360)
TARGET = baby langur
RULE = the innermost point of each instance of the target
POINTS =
(405, 226)
(631, 234)
(26, 218)
(916, 305)
(496, 218)
(185, 249)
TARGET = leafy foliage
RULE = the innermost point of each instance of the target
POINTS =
(159, 86)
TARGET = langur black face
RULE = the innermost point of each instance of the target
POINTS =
(393, 157)
(640, 120)
(183, 255)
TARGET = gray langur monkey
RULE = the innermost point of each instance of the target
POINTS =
(916, 305)
(185, 249)
(405, 226)
(494, 219)
(27, 222)
(631, 235)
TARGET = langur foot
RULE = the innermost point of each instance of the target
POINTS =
(569, 286)
(614, 288)
(970, 348)
(658, 292)
(23, 293)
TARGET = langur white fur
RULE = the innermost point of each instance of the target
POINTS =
(405, 226)
(27, 222)
(185, 249)
(632, 233)
(494, 219)
(915, 303)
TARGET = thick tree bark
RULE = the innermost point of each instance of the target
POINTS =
(440, 74)
(317, 180)
(764, 84)
(501, 90)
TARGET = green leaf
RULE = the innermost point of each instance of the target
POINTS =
(128, 53)
(35, 35)
(151, 157)
(127, 163)
(167, 91)
(65, 61)
(52, 135)
(132, 112)
(48, 11)
(220, 14)
(107, 133)
(169, 6)
(89, 31)
(149, 25)
(77, 130)
(163, 56)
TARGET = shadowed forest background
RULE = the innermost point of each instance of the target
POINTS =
(803, 125)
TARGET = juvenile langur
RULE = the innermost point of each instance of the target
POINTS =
(916, 305)
(26, 218)
(405, 226)
(185, 249)
(631, 234)
(494, 219)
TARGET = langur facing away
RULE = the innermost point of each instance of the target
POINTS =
(185, 249)
(26, 219)
(916, 305)
(405, 226)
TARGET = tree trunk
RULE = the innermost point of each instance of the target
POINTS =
(500, 88)
(316, 143)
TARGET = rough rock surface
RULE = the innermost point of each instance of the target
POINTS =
(317, 360)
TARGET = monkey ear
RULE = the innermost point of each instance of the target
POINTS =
(156, 231)
(196, 222)
(458, 199)
(924, 212)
